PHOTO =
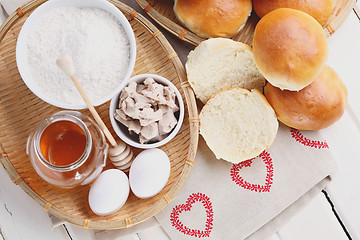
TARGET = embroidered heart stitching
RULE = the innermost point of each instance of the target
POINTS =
(299, 137)
(234, 173)
(195, 197)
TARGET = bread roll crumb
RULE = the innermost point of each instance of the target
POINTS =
(221, 63)
(238, 124)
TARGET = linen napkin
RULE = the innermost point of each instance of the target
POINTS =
(221, 200)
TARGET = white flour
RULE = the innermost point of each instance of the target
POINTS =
(97, 44)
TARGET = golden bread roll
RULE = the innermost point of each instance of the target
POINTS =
(238, 124)
(315, 107)
(290, 48)
(318, 9)
(213, 18)
(221, 63)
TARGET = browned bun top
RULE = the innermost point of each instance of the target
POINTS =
(318, 9)
(290, 48)
(315, 107)
(213, 18)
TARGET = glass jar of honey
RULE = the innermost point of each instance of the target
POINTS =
(67, 149)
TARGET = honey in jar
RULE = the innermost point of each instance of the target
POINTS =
(67, 149)
(62, 143)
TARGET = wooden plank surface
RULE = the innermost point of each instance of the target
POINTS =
(344, 139)
(21, 218)
(344, 136)
(344, 57)
(315, 221)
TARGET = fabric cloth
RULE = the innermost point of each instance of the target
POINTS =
(221, 200)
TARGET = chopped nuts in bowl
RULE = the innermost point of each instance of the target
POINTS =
(148, 111)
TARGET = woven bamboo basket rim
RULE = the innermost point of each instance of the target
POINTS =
(161, 11)
(186, 139)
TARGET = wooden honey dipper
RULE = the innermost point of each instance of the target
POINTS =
(120, 154)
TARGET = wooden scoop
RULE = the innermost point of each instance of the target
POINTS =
(120, 154)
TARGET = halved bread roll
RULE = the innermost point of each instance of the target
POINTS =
(238, 124)
(221, 63)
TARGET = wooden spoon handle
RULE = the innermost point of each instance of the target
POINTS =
(94, 112)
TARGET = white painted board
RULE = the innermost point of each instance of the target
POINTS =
(344, 191)
(344, 58)
(21, 218)
(314, 221)
(344, 136)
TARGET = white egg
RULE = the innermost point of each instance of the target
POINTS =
(149, 173)
(109, 192)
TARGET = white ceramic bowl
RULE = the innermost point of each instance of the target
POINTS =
(22, 54)
(122, 130)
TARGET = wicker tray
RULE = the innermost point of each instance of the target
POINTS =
(162, 12)
(21, 111)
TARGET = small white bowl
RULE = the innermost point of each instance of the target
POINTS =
(122, 131)
(30, 23)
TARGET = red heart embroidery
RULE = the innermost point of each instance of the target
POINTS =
(234, 173)
(195, 197)
(299, 137)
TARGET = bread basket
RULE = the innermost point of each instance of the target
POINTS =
(162, 12)
(21, 111)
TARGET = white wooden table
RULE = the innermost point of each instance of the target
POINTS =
(333, 214)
